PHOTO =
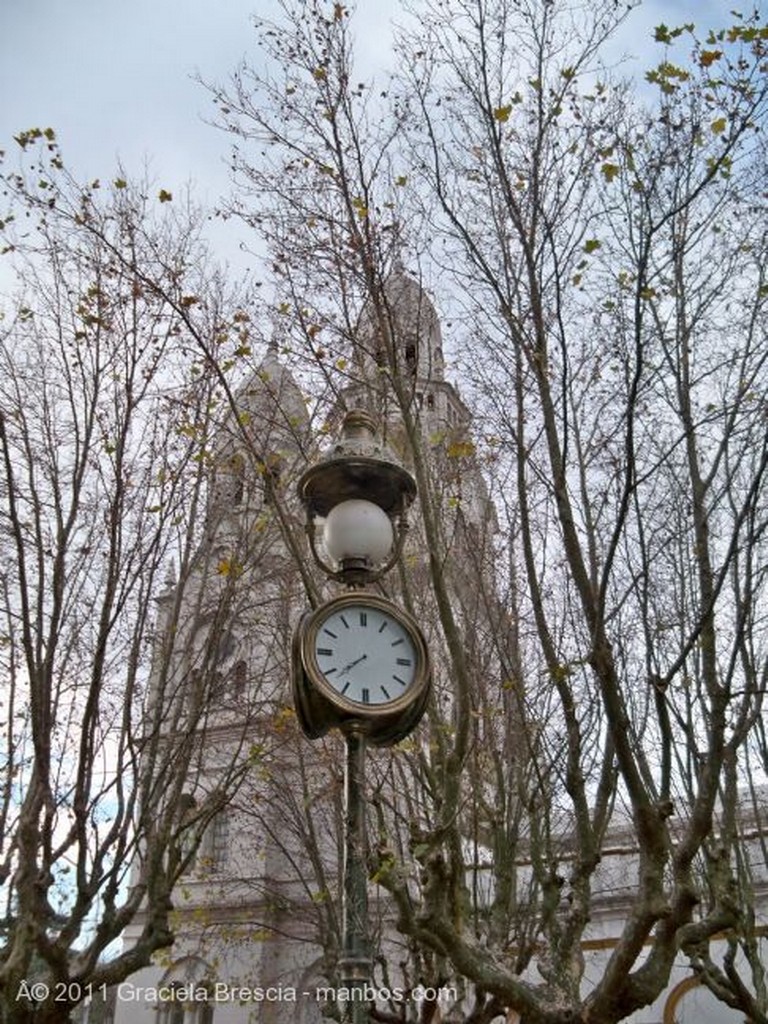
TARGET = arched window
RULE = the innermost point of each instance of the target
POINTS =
(175, 1014)
(187, 838)
(190, 977)
(411, 359)
(691, 1002)
(220, 841)
(237, 469)
(271, 469)
(238, 677)
(231, 482)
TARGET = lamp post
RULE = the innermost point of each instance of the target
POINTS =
(360, 663)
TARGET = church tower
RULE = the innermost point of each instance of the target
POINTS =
(258, 903)
(399, 341)
(400, 372)
(224, 625)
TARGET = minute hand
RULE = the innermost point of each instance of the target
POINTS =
(352, 664)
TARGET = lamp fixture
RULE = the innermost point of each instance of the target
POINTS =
(356, 500)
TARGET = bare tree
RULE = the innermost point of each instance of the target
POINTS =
(606, 257)
(106, 414)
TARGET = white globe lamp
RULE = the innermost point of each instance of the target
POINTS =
(356, 500)
(358, 529)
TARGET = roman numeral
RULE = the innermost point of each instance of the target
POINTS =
(324, 652)
(363, 618)
(403, 661)
(366, 696)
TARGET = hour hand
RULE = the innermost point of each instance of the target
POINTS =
(351, 665)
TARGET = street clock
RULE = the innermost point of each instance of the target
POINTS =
(360, 661)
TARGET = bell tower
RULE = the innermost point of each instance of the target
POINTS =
(258, 904)
(399, 364)
(259, 447)
(224, 625)
(399, 345)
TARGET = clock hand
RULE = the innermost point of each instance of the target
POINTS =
(352, 664)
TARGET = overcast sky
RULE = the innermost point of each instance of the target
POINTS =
(116, 79)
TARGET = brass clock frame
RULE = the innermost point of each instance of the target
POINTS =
(321, 707)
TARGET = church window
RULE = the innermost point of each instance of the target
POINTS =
(225, 647)
(187, 807)
(219, 848)
(411, 359)
(430, 401)
(176, 1011)
(176, 1007)
(187, 994)
(271, 470)
(239, 671)
(236, 471)
(239, 491)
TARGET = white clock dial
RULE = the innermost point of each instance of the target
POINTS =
(365, 654)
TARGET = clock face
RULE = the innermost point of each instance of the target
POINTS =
(366, 654)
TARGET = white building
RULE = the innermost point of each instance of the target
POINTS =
(257, 918)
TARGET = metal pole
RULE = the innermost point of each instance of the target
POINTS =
(355, 962)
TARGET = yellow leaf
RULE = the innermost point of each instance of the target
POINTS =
(708, 57)
(610, 171)
(164, 196)
(502, 113)
(229, 567)
(560, 673)
(718, 125)
(360, 208)
(460, 450)
(592, 244)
